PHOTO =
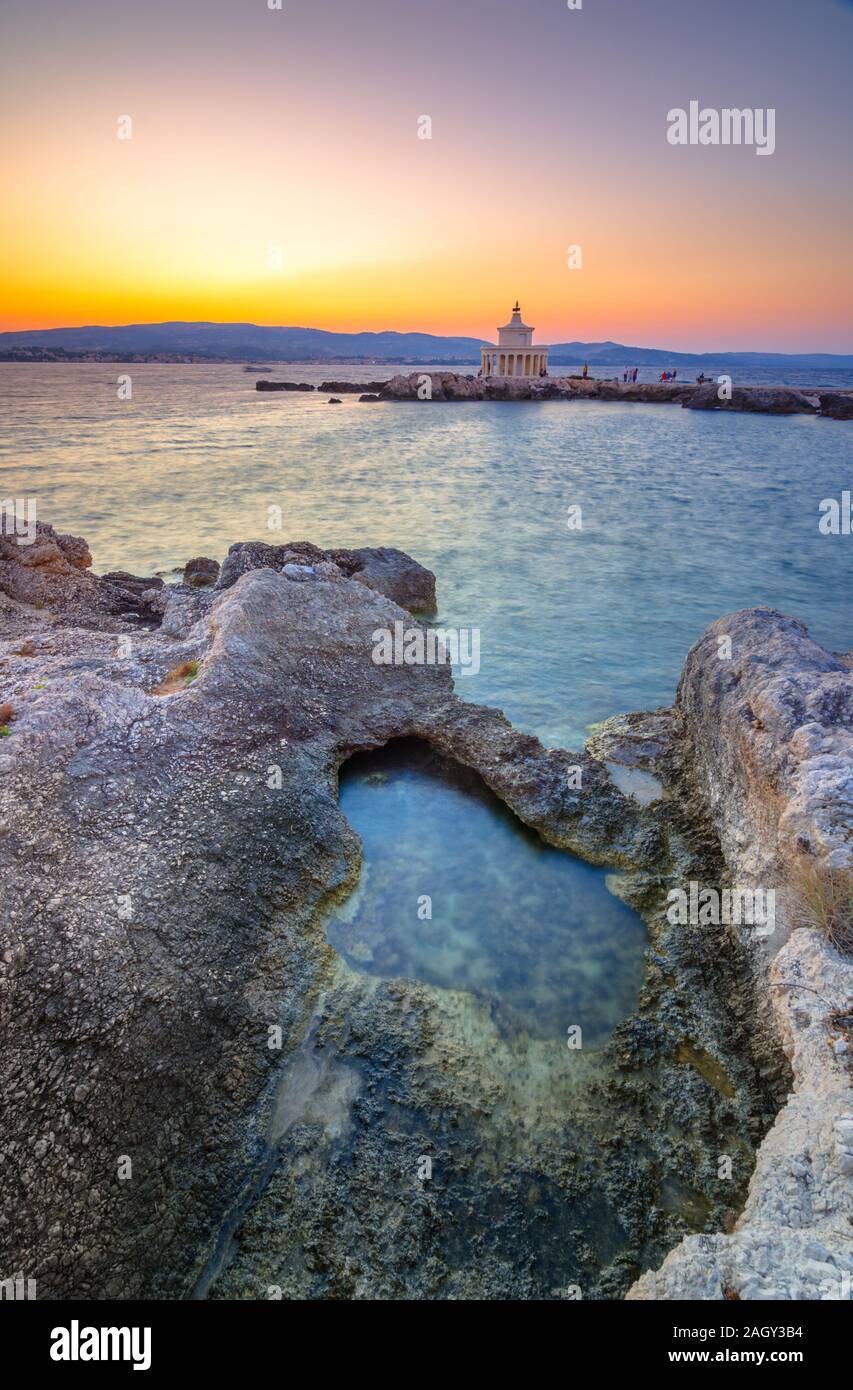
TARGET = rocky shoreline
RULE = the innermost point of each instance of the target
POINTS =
(763, 400)
(456, 386)
(172, 842)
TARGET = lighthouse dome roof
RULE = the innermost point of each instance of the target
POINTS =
(516, 320)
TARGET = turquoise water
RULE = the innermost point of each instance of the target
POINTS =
(457, 893)
(686, 515)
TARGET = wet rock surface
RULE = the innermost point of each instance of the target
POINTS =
(202, 1097)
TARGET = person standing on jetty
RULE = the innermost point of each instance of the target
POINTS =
(585, 370)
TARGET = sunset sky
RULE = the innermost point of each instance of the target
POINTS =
(256, 129)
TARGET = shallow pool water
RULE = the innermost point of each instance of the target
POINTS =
(456, 892)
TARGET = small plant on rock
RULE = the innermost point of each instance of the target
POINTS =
(178, 678)
(822, 898)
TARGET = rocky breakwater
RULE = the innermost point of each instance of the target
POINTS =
(756, 400)
(283, 386)
(453, 386)
(771, 737)
(199, 1096)
(837, 405)
(333, 387)
(352, 387)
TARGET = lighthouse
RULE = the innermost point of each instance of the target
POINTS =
(516, 354)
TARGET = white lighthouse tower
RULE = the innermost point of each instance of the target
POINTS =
(515, 354)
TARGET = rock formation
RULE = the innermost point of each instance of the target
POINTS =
(344, 388)
(837, 405)
(770, 730)
(759, 400)
(453, 386)
(388, 571)
(201, 571)
(172, 840)
(283, 386)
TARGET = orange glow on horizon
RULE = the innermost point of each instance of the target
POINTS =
(243, 153)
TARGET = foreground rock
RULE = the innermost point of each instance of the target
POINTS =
(47, 569)
(172, 839)
(388, 571)
(771, 731)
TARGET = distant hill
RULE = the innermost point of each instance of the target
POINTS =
(620, 355)
(247, 342)
(241, 342)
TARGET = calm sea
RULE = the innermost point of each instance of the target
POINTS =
(685, 515)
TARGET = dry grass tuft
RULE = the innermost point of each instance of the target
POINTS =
(822, 898)
(177, 679)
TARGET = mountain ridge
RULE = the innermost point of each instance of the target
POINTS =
(248, 342)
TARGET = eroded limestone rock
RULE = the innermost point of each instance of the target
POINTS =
(167, 860)
(769, 724)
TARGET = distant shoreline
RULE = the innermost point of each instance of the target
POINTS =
(21, 356)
